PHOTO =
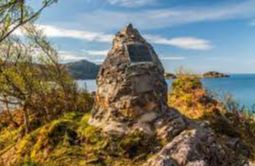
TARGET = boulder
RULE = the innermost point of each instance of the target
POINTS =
(196, 147)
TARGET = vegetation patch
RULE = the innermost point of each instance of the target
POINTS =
(190, 98)
(225, 116)
(70, 140)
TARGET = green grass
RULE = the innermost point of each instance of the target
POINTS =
(70, 140)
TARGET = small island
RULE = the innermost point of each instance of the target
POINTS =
(169, 76)
(214, 74)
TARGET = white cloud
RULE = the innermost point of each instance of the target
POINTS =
(96, 52)
(98, 61)
(96, 56)
(131, 3)
(67, 56)
(53, 31)
(190, 43)
(167, 17)
(174, 58)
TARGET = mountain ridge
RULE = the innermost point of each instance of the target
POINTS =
(83, 69)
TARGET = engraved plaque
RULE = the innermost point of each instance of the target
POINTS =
(138, 53)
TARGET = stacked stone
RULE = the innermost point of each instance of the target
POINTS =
(132, 96)
(131, 93)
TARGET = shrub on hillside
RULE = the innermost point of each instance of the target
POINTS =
(190, 98)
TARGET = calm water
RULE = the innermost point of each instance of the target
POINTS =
(241, 86)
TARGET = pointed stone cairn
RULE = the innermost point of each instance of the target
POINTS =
(131, 96)
(131, 89)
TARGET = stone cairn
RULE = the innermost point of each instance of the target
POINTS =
(132, 92)
(132, 96)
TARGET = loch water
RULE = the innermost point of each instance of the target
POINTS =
(240, 86)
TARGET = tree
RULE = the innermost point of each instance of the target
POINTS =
(16, 13)
(32, 77)
(27, 65)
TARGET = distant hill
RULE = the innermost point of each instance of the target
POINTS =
(83, 69)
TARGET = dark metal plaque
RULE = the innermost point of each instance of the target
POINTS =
(139, 53)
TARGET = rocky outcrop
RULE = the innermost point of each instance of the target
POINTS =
(132, 96)
(196, 147)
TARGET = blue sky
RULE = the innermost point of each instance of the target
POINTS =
(199, 35)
